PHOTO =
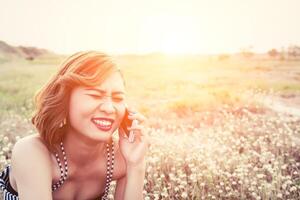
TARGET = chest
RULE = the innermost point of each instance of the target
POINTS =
(87, 182)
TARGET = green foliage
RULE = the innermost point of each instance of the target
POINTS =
(221, 144)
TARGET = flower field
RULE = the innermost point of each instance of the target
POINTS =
(244, 153)
(234, 148)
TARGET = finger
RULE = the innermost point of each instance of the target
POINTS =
(141, 118)
(140, 137)
(136, 127)
(131, 136)
(137, 131)
(122, 134)
(135, 135)
(131, 110)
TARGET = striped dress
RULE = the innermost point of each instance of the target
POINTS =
(10, 194)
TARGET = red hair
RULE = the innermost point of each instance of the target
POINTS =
(52, 101)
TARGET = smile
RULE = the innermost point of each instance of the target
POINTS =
(104, 124)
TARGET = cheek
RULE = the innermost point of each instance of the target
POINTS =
(120, 113)
(80, 107)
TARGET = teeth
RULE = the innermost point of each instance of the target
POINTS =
(102, 122)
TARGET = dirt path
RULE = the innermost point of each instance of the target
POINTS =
(282, 105)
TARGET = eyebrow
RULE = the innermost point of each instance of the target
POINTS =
(103, 91)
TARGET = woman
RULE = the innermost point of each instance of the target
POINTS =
(74, 156)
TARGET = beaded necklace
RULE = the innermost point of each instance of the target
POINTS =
(64, 171)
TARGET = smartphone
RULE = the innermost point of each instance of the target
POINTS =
(126, 123)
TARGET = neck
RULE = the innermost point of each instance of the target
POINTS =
(81, 150)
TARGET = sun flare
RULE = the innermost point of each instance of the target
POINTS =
(170, 34)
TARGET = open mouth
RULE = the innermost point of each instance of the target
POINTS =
(104, 124)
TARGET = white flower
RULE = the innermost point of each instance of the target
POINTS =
(279, 195)
(260, 176)
(295, 173)
(184, 195)
(292, 189)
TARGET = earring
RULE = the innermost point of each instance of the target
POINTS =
(64, 122)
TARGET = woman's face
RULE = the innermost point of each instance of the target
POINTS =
(96, 112)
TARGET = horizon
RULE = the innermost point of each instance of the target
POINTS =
(143, 27)
(150, 53)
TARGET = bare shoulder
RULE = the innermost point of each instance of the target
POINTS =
(30, 153)
(31, 168)
(30, 145)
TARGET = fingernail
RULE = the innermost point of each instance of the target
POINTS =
(135, 122)
(130, 116)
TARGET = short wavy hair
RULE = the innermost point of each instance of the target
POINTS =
(89, 68)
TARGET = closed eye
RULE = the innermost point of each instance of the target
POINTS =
(95, 96)
(117, 99)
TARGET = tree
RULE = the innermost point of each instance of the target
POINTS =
(294, 51)
(273, 53)
(247, 52)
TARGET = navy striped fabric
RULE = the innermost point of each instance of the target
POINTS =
(8, 192)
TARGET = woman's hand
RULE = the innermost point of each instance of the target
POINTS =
(134, 152)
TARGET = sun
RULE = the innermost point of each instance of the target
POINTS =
(177, 42)
(170, 35)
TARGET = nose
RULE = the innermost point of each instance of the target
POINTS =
(107, 106)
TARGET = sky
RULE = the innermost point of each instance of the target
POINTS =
(139, 26)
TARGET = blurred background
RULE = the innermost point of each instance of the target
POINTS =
(218, 80)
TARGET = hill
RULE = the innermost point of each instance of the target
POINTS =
(30, 53)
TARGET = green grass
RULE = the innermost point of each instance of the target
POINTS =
(180, 82)
(227, 148)
(18, 83)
